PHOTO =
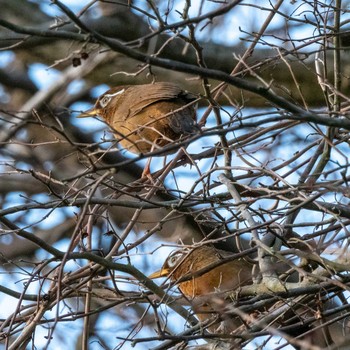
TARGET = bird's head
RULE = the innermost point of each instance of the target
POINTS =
(171, 263)
(105, 103)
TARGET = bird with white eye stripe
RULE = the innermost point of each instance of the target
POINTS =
(147, 117)
(227, 276)
(206, 291)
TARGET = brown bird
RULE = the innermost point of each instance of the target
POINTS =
(147, 117)
(203, 290)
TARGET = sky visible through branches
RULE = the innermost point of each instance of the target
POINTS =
(80, 230)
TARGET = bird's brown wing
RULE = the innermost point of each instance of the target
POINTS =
(145, 95)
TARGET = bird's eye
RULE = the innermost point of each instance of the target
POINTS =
(174, 259)
(104, 101)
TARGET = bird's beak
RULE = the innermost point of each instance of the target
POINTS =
(160, 273)
(89, 113)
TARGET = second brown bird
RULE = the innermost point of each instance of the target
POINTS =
(203, 290)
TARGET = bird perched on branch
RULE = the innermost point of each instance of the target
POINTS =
(147, 117)
(202, 279)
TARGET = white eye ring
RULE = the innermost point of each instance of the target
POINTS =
(174, 259)
(105, 100)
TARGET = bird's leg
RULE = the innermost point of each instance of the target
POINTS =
(147, 169)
